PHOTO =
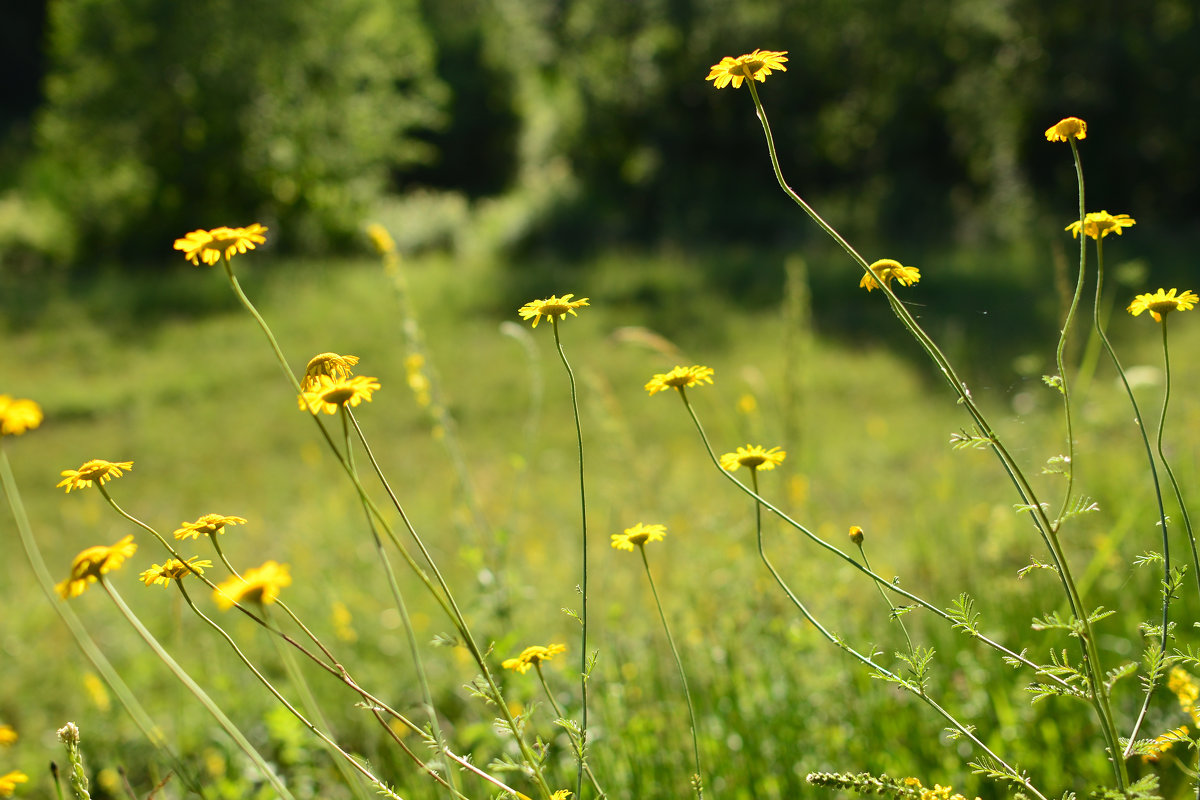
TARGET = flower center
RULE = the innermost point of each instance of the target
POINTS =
(338, 396)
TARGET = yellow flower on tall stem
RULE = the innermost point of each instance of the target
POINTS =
(1067, 129)
(209, 246)
(532, 657)
(330, 394)
(886, 269)
(173, 570)
(753, 66)
(552, 308)
(93, 562)
(208, 525)
(330, 364)
(679, 378)
(1098, 224)
(1161, 303)
(638, 535)
(95, 471)
(18, 415)
(258, 585)
(754, 457)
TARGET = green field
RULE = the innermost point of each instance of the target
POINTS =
(165, 369)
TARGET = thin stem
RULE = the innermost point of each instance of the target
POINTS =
(698, 778)
(537, 665)
(1187, 520)
(200, 695)
(866, 562)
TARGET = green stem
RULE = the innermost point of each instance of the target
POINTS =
(600, 793)
(866, 562)
(698, 778)
(197, 692)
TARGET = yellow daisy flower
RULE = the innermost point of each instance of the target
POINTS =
(330, 364)
(8, 783)
(93, 562)
(885, 269)
(756, 66)
(754, 457)
(1160, 303)
(95, 471)
(331, 394)
(638, 535)
(173, 570)
(1098, 224)
(8, 735)
(551, 307)
(1065, 129)
(18, 416)
(259, 585)
(531, 656)
(209, 246)
(679, 378)
(208, 525)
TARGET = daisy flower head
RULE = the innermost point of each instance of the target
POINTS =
(638, 535)
(754, 457)
(884, 270)
(208, 525)
(531, 656)
(174, 570)
(95, 471)
(258, 585)
(551, 308)
(679, 378)
(18, 415)
(1098, 224)
(330, 394)
(755, 66)
(210, 246)
(330, 364)
(9, 781)
(93, 562)
(1161, 303)
(1066, 129)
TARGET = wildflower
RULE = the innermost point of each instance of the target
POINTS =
(18, 416)
(379, 236)
(679, 378)
(754, 457)
(93, 562)
(330, 394)
(1098, 224)
(208, 525)
(8, 735)
(551, 307)
(1064, 129)
(1160, 303)
(209, 246)
(1162, 743)
(1184, 687)
(95, 471)
(260, 585)
(8, 783)
(638, 535)
(561, 794)
(856, 534)
(331, 364)
(885, 269)
(756, 65)
(532, 656)
(172, 570)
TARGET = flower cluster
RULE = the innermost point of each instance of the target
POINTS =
(18, 415)
(532, 656)
(638, 535)
(93, 562)
(210, 246)
(754, 66)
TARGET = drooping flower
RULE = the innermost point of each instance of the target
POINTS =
(551, 307)
(18, 415)
(1098, 224)
(259, 585)
(8, 735)
(93, 562)
(679, 378)
(9, 781)
(755, 66)
(331, 394)
(885, 269)
(210, 246)
(754, 457)
(172, 570)
(532, 656)
(1066, 129)
(208, 525)
(638, 535)
(1161, 303)
(95, 471)
(330, 364)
